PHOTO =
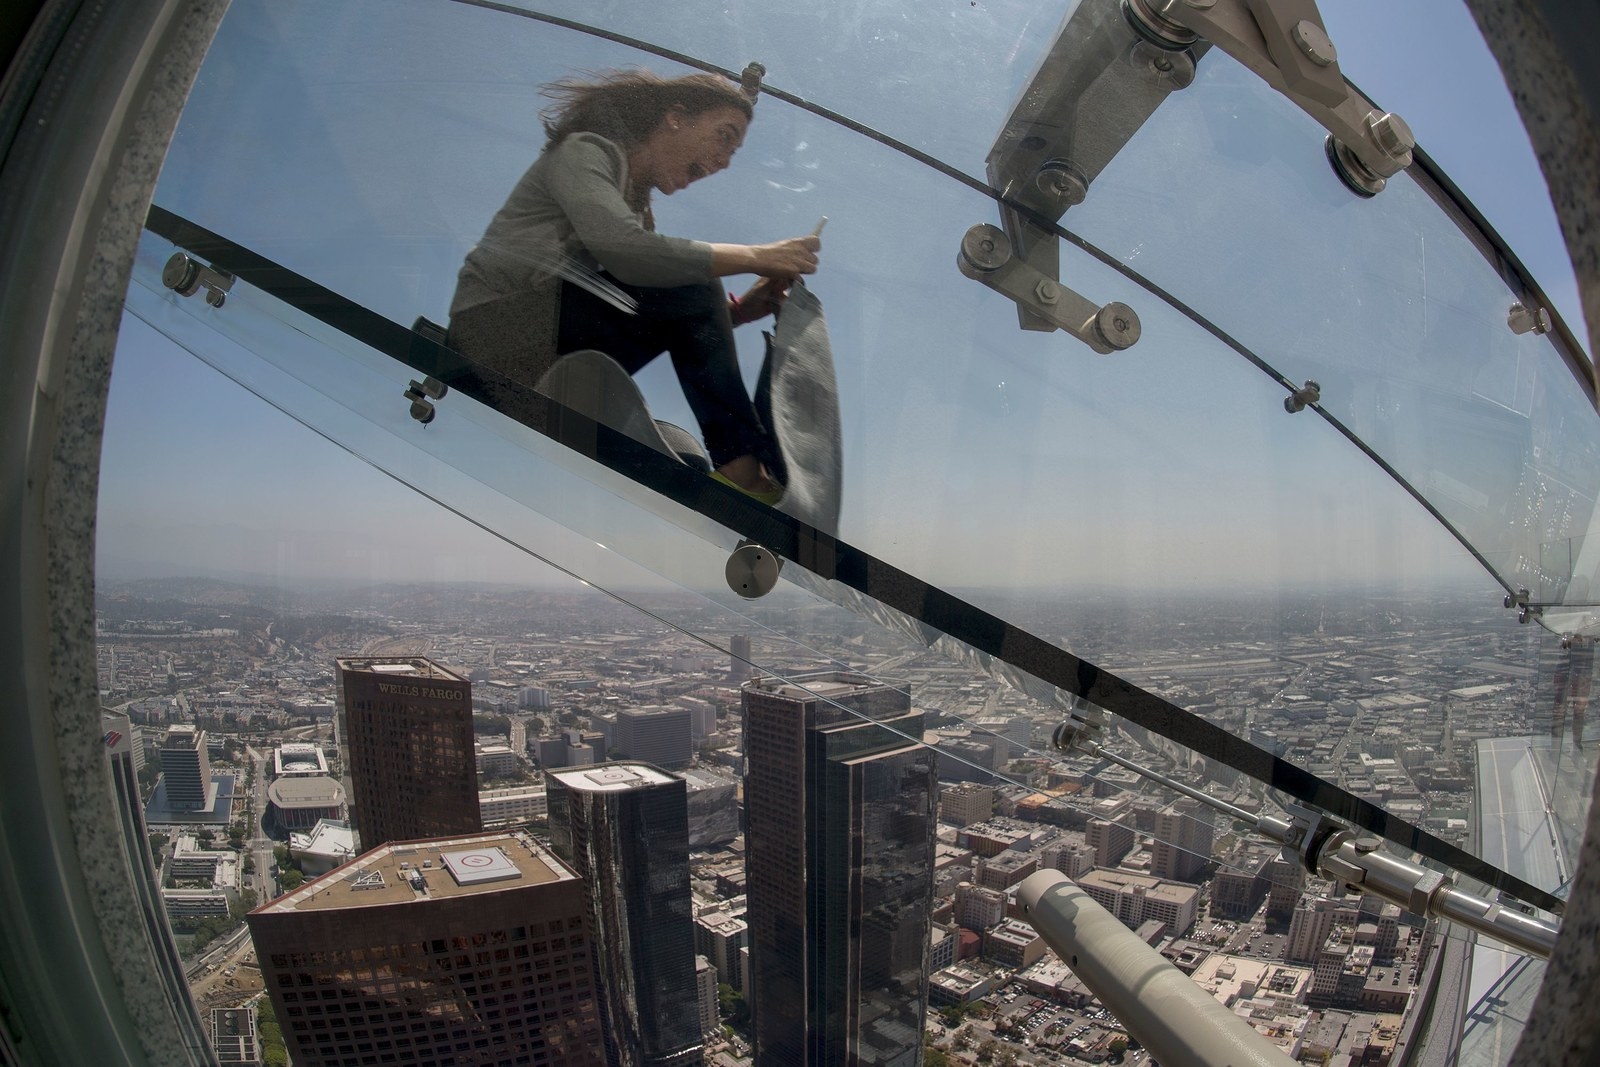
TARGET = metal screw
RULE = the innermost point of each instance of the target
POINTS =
(1118, 324)
(1391, 134)
(1166, 70)
(1046, 291)
(1062, 182)
(1314, 43)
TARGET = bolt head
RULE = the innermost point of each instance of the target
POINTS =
(1392, 135)
(1060, 180)
(1047, 291)
(1314, 43)
(985, 247)
(1118, 324)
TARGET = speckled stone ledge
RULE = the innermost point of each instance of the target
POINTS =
(166, 1031)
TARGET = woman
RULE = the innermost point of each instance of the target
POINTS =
(575, 245)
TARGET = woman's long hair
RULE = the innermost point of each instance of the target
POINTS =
(626, 105)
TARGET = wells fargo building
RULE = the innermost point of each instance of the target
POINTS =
(406, 728)
(462, 952)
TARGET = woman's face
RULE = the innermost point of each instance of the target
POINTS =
(686, 148)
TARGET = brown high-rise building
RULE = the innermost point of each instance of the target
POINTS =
(470, 951)
(839, 845)
(406, 728)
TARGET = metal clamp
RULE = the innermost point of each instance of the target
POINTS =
(420, 394)
(752, 570)
(1310, 393)
(986, 256)
(1522, 319)
(750, 80)
(186, 275)
(1332, 850)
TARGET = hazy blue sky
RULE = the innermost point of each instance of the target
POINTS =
(366, 145)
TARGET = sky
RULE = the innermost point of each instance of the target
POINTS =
(367, 145)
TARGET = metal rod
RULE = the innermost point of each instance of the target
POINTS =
(1172, 1016)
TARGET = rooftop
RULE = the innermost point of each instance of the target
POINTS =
(305, 791)
(407, 871)
(611, 778)
(409, 667)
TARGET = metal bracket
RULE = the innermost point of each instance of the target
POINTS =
(1285, 44)
(186, 275)
(1522, 319)
(1310, 393)
(420, 394)
(752, 571)
(986, 256)
(1082, 730)
(750, 80)
(1526, 612)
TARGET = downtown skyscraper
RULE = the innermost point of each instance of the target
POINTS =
(406, 728)
(472, 951)
(839, 846)
(624, 828)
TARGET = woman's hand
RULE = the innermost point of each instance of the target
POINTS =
(789, 258)
(764, 298)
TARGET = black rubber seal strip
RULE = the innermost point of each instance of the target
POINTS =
(823, 554)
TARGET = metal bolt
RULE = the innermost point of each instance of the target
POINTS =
(1314, 43)
(1062, 182)
(1047, 291)
(1118, 324)
(1166, 70)
(984, 248)
(1201, 5)
(1391, 134)
(1366, 844)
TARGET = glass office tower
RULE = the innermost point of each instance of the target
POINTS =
(624, 827)
(839, 845)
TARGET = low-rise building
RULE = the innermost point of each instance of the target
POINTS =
(512, 804)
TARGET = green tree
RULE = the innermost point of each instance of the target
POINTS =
(732, 1005)
(932, 1057)
(290, 878)
(157, 843)
(274, 1053)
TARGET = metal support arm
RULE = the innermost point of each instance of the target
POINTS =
(986, 257)
(1333, 851)
(1172, 1016)
(1283, 42)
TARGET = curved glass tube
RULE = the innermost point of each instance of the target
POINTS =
(1155, 513)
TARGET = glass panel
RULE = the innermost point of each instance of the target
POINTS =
(1110, 818)
(481, 465)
